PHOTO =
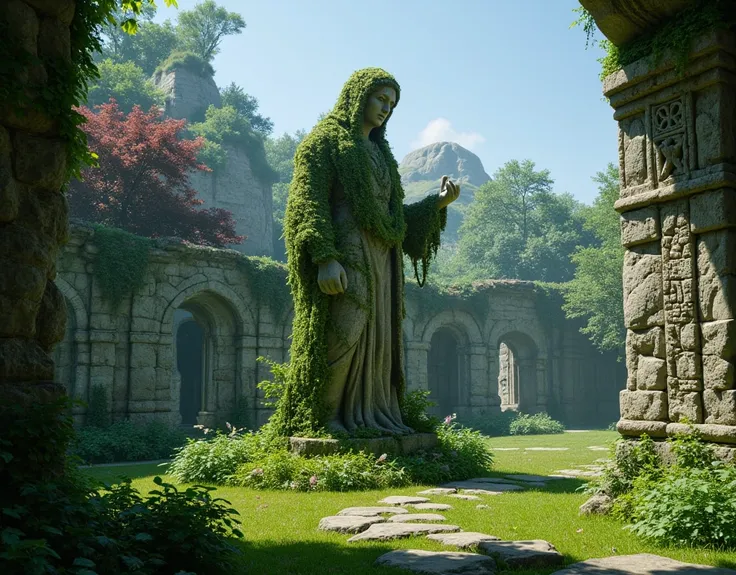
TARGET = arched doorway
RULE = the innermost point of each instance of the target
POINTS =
(65, 353)
(205, 331)
(190, 363)
(443, 371)
(517, 373)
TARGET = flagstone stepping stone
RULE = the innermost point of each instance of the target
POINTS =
(516, 553)
(431, 506)
(527, 478)
(482, 492)
(492, 480)
(348, 523)
(597, 448)
(482, 485)
(465, 497)
(371, 511)
(505, 448)
(482, 507)
(546, 448)
(402, 500)
(438, 491)
(641, 564)
(577, 431)
(387, 531)
(409, 517)
(438, 563)
(568, 473)
(463, 540)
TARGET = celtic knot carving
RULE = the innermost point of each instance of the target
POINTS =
(669, 116)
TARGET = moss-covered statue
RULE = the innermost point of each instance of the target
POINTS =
(345, 229)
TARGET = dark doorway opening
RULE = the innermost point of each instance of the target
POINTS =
(190, 356)
(443, 372)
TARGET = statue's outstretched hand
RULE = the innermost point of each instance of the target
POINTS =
(332, 278)
(449, 192)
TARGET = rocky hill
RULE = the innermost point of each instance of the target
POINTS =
(422, 170)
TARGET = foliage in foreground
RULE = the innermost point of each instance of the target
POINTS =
(263, 461)
(127, 441)
(55, 521)
(690, 501)
(513, 423)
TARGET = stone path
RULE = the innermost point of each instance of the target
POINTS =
(371, 524)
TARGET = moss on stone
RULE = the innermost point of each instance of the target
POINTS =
(187, 61)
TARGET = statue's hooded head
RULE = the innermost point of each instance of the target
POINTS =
(362, 96)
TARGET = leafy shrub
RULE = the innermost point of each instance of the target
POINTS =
(537, 424)
(629, 460)
(127, 441)
(492, 425)
(186, 60)
(686, 507)
(262, 460)
(54, 520)
(98, 414)
(416, 404)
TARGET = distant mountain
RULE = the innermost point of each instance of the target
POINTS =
(422, 170)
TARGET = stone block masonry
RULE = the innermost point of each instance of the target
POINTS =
(677, 158)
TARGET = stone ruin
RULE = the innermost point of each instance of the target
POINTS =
(677, 155)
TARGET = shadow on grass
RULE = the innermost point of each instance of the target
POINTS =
(115, 473)
(553, 484)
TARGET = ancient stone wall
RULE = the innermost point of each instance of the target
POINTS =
(188, 95)
(130, 351)
(677, 152)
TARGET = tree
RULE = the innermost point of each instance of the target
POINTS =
(142, 182)
(596, 291)
(280, 154)
(517, 228)
(247, 106)
(202, 29)
(127, 84)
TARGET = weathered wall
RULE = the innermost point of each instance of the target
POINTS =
(33, 211)
(233, 186)
(131, 351)
(677, 152)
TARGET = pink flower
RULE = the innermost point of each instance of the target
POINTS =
(313, 481)
(257, 471)
(382, 458)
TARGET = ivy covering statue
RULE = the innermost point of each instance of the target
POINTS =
(345, 228)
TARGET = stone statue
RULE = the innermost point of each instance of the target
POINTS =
(345, 229)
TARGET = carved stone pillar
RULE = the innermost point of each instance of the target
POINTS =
(677, 153)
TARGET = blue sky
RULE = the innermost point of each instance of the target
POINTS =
(506, 79)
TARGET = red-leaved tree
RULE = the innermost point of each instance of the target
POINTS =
(142, 183)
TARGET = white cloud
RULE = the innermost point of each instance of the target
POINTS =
(441, 130)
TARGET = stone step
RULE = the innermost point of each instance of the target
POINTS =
(371, 511)
(403, 500)
(438, 563)
(409, 517)
(641, 564)
(431, 506)
(388, 531)
(484, 485)
(464, 497)
(462, 540)
(348, 523)
(515, 554)
(438, 491)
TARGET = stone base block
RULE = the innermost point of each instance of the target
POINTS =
(637, 428)
(643, 405)
(400, 445)
(720, 406)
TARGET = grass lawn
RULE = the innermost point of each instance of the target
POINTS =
(281, 536)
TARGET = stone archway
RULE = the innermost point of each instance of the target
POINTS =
(518, 380)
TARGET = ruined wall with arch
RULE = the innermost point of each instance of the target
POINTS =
(201, 302)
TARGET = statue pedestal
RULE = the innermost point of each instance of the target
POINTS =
(400, 445)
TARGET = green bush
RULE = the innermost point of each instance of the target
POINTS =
(98, 414)
(55, 520)
(416, 404)
(537, 424)
(495, 425)
(126, 441)
(261, 460)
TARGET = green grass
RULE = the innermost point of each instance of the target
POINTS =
(281, 535)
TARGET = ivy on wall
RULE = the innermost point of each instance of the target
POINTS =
(676, 36)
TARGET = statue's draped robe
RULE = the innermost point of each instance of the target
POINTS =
(361, 349)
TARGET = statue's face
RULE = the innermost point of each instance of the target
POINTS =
(379, 106)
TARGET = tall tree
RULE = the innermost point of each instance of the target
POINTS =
(127, 84)
(142, 182)
(247, 105)
(202, 29)
(596, 291)
(518, 228)
(280, 154)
